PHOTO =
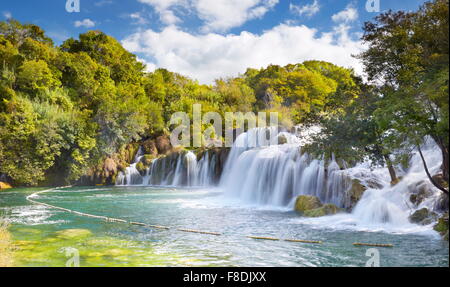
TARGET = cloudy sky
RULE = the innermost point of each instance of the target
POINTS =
(208, 39)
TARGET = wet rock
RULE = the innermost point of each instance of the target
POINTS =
(419, 192)
(282, 139)
(307, 202)
(423, 217)
(442, 226)
(355, 193)
(327, 209)
(442, 203)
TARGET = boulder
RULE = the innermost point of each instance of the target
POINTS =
(355, 193)
(149, 147)
(327, 209)
(307, 202)
(423, 217)
(5, 185)
(163, 144)
(419, 192)
(282, 139)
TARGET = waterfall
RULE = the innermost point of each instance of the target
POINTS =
(131, 176)
(177, 169)
(267, 167)
(392, 204)
(259, 170)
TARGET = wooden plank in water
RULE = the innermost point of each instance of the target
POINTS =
(372, 244)
(263, 238)
(199, 231)
(303, 241)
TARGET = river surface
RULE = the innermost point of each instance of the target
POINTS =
(48, 237)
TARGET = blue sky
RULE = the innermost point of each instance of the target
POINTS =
(207, 39)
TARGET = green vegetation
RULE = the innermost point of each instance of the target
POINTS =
(74, 110)
(407, 60)
(78, 109)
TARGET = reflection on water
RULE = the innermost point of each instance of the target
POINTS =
(41, 234)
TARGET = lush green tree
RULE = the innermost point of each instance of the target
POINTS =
(407, 56)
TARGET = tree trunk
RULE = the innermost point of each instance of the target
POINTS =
(445, 157)
(391, 169)
(428, 172)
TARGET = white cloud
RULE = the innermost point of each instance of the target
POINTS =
(347, 15)
(163, 8)
(210, 56)
(7, 14)
(87, 23)
(221, 15)
(227, 14)
(308, 10)
(137, 18)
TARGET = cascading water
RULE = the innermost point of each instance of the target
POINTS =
(260, 171)
(131, 176)
(176, 169)
(392, 204)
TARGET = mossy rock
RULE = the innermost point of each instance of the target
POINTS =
(327, 209)
(148, 159)
(423, 217)
(307, 202)
(73, 233)
(442, 226)
(141, 168)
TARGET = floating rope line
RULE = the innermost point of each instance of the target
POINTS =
(372, 244)
(118, 220)
(263, 238)
(303, 241)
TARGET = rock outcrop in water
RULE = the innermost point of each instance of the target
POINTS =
(310, 206)
(304, 203)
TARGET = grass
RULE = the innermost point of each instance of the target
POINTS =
(6, 245)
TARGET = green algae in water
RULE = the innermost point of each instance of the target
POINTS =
(94, 251)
